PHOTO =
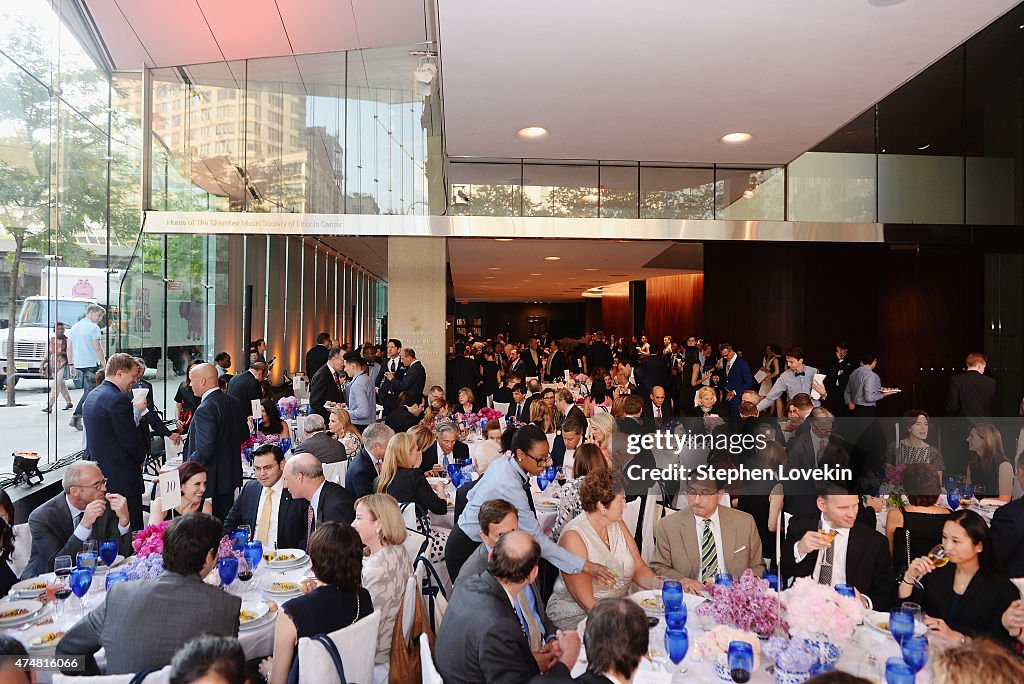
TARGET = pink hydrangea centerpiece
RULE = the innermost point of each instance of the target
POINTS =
(817, 610)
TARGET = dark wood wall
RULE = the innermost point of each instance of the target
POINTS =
(616, 315)
(674, 306)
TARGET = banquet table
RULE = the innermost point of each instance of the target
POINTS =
(258, 642)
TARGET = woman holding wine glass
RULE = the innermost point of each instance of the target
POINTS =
(960, 584)
(192, 478)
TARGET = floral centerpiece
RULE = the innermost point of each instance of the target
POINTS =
(817, 611)
(148, 561)
(749, 604)
(226, 548)
(256, 440)
(713, 645)
(892, 488)
(793, 658)
(288, 406)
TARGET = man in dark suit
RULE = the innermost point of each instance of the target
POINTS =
(532, 362)
(599, 354)
(534, 392)
(319, 443)
(112, 437)
(386, 396)
(1008, 530)
(316, 357)
(568, 440)
(734, 378)
(364, 467)
(857, 555)
(482, 638)
(152, 423)
(556, 363)
(326, 385)
(565, 406)
(463, 371)
(328, 502)
(248, 386)
(515, 364)
(404, 417)
(971, 393)
(412, 377)
(617, 639)
(657, 409)
(837, 376)
(813, 448)
(266, 501)
(446, 449)
(82, 511)
(215, 437)
(517, 409)
(141, 625)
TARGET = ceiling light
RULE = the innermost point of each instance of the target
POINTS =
(552, 258)
(735, 138)
(494, 268)
(590, 269)
(535, 274)
(532, 133)
(503, 239)
(925, 147)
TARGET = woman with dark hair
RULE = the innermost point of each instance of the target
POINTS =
(967, 595)
(271, 423)
(989, 470)
(599, 394)
(913, 448)
(588, 457)
(915, 529)
(7, 576)
(185, 399)
(335, 599)
(192, 483)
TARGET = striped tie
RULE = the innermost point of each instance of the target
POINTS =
(708, 554)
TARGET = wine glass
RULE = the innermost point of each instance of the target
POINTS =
(245, 571)
(560, 475)
(551, 473)
(656, 647)
(846, 590)
(966, 494)
(108, 551)
(62, 566)
(741, 661)
(87, 559)
(953, 498)
(723, 579)
(938, 558)
(914, 609)
(656, 586)
(227, 569)
(81, 580)
(90, 546)
(901, 624)
(672, 594)
(915, 652)
(676, 618)
(253, 553)
(542, 482)
(677, 643)
(898, 672)
(61, 593)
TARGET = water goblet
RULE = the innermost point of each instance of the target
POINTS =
(253, 553)
(677, 643)
(898, 672)
(542, 482)
(915, 652)
(114, 577)
(846, 590)
(676, 618)
(741, 661)
(87, 559)
(672, 594)
(953, 498)
(723, 579)
(773, 580)
(551, 473)
(914, 609)
(81, 580)
(227, 569)
(901, 624)
(108, 551)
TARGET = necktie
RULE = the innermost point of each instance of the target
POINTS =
(728, 367)
(263, 524)
(309, 523)
(657, 412)
(445, 460)
(529, 496)
(337, 380)
(78, 519)
(708, 554)
(820, 450)
(532, 629)
(825, 574)
(376, 464)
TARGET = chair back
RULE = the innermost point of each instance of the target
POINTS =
(435, 599)
(335, 472)
(430, 673)
(501, 408)
(357, 646)
(22, 548)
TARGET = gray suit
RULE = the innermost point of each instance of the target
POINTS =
(53, 535)
(323, 446)
(677, 553)
(143, 624)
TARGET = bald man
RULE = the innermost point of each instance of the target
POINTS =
(328, 501)
(215, 437)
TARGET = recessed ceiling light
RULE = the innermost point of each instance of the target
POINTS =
(552, 258)
(735, 138)
(503, 239)
(925, 147)
(590, 269)
(494, 268)
(535, 274)
(532, 133)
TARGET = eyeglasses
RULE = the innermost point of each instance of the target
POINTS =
(98, 485)
(539, 461)
(700, 492)
(265, 469)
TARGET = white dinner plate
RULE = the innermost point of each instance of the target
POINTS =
(46, 641)
(650, 601)
(252, 614)
(293, 557)
(29, 588)
(282, 586)
(879, 622)
(10, 611)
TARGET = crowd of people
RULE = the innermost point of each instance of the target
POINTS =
(519, 592)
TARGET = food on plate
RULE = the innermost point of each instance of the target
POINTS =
(35, 586)
(650, 603)
(48, 638)
(247, 616)
(284, 586)
(281, 557)
(13, 612)
(269, 555)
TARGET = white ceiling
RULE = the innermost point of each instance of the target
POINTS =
(493, 271)
(662, 80)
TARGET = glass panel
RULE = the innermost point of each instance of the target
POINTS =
(619, 187)
(560, 190)
(920, 189)
(750, 194)
(827, 186)
(485, 189)
(677, 193)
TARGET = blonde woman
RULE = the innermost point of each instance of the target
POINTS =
(341, 427)
(467, 402)
(401, 477)
(386, 565)
(540, 415)
(602, 427)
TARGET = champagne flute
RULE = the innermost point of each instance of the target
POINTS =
(938, 558)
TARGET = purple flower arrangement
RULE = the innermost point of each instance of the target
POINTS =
(289, 407)
(144, 567)
(749, 604)
(791, 655)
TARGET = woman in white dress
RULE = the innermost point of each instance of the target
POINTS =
(598, 535)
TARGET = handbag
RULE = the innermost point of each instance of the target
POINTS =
(406, 667)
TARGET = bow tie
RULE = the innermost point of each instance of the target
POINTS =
(799, 375)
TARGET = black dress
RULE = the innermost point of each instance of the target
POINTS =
(490, 385)
(327, 609)
(987, 477)
(978, 611)
(410, 486)
(925, 533)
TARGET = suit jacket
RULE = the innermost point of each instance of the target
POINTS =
(868, 563)
(53, 529)
(431, 455)
(801, 452)
(599, 355)
(401, 420)
(559, 363)
(477, 565)
(1008, 537)
(666, 412)
(323, 387)
(360, 474)
(530, 367)
(291, 515)
(152, 423)
(737, 380)
(481, 639)
(971, 395)
(215, 439)
(410, 486)
(558, 452)
(524, 414)
(323, 446)
(316, 358)
(677, 554)
(336, 504)
(463, 371)
(112, 439)
(124, 623)
(413, 380)
(980, 608)
(517, 367)
(245, 387)
(585, 678)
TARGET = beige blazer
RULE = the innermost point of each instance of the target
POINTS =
(677, 554)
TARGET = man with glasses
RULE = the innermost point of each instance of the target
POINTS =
(274, 517)
(704, 539)
(82, 512)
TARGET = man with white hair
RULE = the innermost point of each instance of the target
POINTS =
(319, 443)
(364, 467)
(82, 511)
(446, 450)
(328, 502)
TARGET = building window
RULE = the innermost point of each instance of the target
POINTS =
(225, 94)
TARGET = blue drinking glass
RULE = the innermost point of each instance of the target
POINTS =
(821, 667)
(88, 560)
(81, 580)
(898, 672)
(253, 552)
(542, 482)
(285, 444)
(741, 661)
(676, 618)
(108, 551)
(915, 652)
(949, 483)
(451, 469)
(953, 498)
(773, 580)
(901, 624)
(966, 490)
(672, 594)
(724, 579)
(239, 538)
(114, 577)
(677, 643)
(227, 568)
(551, 472)
(456, 478)
(846, 590)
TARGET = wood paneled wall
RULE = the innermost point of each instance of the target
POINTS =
(675, 306)
(616, 316)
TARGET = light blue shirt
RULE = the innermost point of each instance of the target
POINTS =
(362, 401)
(864, 387)
(791, 384)
(315, 501)
(81, 337)
(504, 479)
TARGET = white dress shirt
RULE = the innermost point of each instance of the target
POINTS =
(716, 530)
(83, 533)
(839, 546)
(278, 488)
(315, 501)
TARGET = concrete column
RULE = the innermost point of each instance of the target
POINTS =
(417, 270)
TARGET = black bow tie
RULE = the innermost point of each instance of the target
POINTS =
(799, 375)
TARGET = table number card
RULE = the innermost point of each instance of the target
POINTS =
(170, 489)
(172, 450)
(256, 414)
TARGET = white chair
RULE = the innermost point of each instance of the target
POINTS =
(501, 408)
(631, 516)
(335, 472)
(380, 411)
(22, 548)
(357, 645)
(551, 440)
(430, 674)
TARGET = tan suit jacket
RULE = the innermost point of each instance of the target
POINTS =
(677, 554)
